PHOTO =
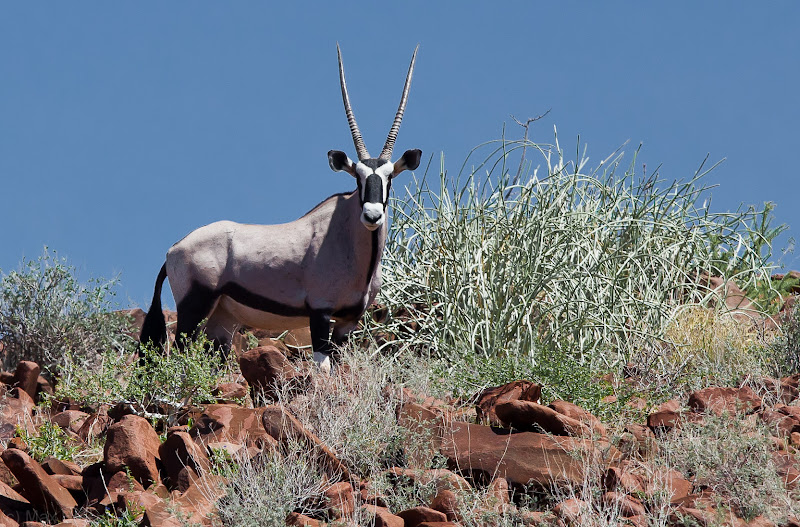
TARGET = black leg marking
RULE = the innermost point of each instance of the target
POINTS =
(192, 310)
(320, 325)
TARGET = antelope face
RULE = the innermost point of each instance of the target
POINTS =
(374, 179)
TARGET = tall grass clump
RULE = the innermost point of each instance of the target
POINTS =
(46, 314)
(564, 260)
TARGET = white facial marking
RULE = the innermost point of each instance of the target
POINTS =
(323, 362)
(372, 210)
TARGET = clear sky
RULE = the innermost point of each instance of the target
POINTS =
(125, 125)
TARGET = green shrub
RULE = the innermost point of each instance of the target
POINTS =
(580, 262)
(46, 314)
(49, 441)
(161, 384)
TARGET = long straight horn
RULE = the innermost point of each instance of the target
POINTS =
(361, 150)
(398, 118)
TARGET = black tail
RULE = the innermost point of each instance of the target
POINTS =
(154, 329)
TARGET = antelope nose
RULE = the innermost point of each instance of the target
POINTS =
(372, 216)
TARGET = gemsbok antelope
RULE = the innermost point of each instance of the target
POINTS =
(320, 268)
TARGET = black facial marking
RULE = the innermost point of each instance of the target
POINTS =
(373, 163)
(373, 192)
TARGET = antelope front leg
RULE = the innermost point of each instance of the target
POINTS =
(320, 325)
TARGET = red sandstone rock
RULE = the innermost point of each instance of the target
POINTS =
(133, 443)
(513, 391)
(446, 502)
(264, 367)
(571, 510)
(340, 501)
(627, 505)
(228, 392)
(725, 400)
(415, 516)
(382, 516)
(25, 377)
(666, 417)
(579, 414)
(94, 426)
(16, 409)
(43, 491)
(441, 478)
(617, 479)
(534, 417)
(295, 519)
(231, 423)
(179, 451)
(70, 419)
(522, 458)
(12, 501)
(284, 427)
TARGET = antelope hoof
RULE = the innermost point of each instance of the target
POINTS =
(323, 362)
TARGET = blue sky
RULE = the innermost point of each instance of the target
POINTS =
(124, 126)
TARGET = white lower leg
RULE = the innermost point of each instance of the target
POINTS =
(323, 362)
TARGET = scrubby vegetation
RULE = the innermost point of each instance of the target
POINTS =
(593, 281)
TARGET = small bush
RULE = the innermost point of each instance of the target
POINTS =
(160, 384)
(265, 489)
(46, 314)
(49, 441)
(731, 456)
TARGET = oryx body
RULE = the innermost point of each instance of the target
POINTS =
(321, 267)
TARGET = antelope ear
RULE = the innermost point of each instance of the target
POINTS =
(409, 161)
(339, 162)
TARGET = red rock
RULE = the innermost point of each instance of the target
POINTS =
(415, 516)
(70, 419)
(295, 519)
(159, 514)
(16, 409)
(666, 417)
(264, 368)
(13, 501)
(441, 478)
(438, 524)
(197, 503)
(74, 522)
(6, 521)
(136, 501)
(54, 465)
(71, 482)
(446, 502)
(340, 501)
(499, 490)
(627, 505)
(284, 427)
(780, 424)
(25, 377)
(41, 489)
(522, 458)
(579, 414)
(133, 443)
(534, 417)
(179, 451)
(513, 391)
(571, 510)
(668, 480)
(382, 517)
(617, 479)
(788, 468)
(94, 426)
(231, 423)
(43, 386)
(725, 400)
(228, 392)
(117, 484)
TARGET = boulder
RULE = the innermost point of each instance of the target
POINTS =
(264, 368)
(12, 501)
(94, 426)
(133, 443)
(579, 414)
(725, 400)
(40, 488)
(71, 420)
(16, 409)
(534, 417)
(524, 458)
(415, 516)
(339, 500)
(295, 519)
(382, 517)
(231, 423)
(25, 377)
(486, 401)
(285, 428)
(446, 502)
(179, 451)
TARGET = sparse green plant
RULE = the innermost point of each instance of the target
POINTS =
(46, 314)
(786, 347)
(49, 440)
(158, 385)
(712, 453)
(130, 517)
(262, 491)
